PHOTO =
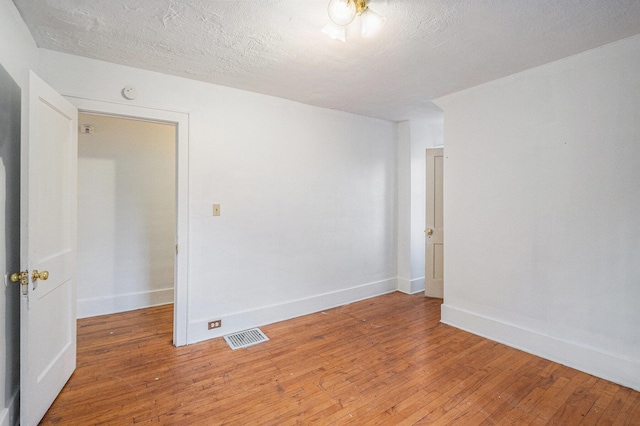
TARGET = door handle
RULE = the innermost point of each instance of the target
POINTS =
(35, 275)
(23, 278)
(429, 231)
(20, 276)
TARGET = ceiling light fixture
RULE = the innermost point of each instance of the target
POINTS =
(344, 12)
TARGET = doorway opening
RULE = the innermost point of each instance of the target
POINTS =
(126, 214)
(179, 191)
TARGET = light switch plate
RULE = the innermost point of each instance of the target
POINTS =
(216, 209)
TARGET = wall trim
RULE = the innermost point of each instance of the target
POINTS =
(123, 302)
(411, 287)
(10, 415)
(404, 285)
(417, 285)
(244, 320)
(181, 120)
(621, 370)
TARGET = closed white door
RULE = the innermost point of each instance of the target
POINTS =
(434, 248)
(48, 247)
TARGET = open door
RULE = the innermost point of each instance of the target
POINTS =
(47, 247)
(434, 248)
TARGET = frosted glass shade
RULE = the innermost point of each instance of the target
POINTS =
(334, 31)
(342, 12)
(372, 21)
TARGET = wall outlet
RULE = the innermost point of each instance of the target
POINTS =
(215, 324)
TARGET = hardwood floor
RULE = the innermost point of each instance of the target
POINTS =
(385, 360)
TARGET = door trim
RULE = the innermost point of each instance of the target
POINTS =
(181, 121)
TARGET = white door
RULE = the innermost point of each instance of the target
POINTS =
(434, 248)
(48, 245)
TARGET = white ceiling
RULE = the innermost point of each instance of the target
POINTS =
(427, 49)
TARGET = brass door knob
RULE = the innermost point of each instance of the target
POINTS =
(429, 231)
(35, 275)
(16, 276)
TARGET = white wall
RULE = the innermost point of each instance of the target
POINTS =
(414, 137)
(307, 195)
(126, 215)
(17, 52)
(542, 211)
(10, 247)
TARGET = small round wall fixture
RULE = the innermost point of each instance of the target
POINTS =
(129, 93)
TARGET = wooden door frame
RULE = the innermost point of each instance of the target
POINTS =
(181, 121)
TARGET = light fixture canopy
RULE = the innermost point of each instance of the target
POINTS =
(344, 12)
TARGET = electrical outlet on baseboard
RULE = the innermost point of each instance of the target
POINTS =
(215, 324)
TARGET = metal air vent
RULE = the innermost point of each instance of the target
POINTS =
(245, 338)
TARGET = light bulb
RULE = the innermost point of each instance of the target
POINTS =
(342, 12)
(372, 21)
(334, 31)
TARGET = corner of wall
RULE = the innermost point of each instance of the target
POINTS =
(404, 285)
(403, 206)
(413, 286)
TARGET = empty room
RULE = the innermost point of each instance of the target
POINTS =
(234, 212)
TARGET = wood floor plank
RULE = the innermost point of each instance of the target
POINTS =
(628, 413)
(381, 361)
(603, 400)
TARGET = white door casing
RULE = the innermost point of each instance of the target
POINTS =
(181, 121)
(434, 248)
(47, 243)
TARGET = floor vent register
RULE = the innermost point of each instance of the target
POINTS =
(245, 338)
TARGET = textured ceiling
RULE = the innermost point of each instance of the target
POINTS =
(427, 49)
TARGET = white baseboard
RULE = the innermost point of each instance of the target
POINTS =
(10, 415)
(417, 285)
(123, 302)
(197, 331)
(411, 287)
(621, 370)
(404, 285)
